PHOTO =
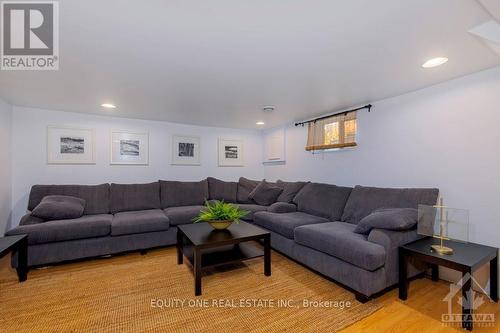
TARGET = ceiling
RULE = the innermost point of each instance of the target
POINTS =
(217, 62)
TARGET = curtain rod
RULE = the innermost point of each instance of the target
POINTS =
(368, 106)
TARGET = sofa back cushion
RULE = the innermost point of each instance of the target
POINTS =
(128, 197)
(322, 200)
(176, 194)
(96, 196)
(364, 200)
(290, 190)
(245, 187)
(221, 190)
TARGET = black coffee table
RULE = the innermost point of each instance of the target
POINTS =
(17, 244)
(466, 258)
(206, 247)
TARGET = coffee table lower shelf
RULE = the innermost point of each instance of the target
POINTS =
(224, 255)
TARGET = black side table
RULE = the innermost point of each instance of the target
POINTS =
(19, 244)
(466, 258)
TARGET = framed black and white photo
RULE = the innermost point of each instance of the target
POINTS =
(70, 145)
(129, 148)
(230, 152)
(185, 150)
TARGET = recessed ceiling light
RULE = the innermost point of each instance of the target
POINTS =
(108, 106)
(268, 108)
(260, 123)
(434, 62)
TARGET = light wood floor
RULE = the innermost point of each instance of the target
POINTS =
(420, 313)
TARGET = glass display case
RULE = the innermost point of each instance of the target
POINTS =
(443, 223)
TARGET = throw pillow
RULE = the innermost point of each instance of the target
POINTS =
(59, 207)
(389, 219)
(265, 194)
(245, 187)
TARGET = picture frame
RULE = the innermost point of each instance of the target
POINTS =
(70, 145)
(129, 148)
(185, 150)
(230, 153)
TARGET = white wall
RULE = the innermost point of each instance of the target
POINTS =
(5, 165)
(30, 154)
(444, 136)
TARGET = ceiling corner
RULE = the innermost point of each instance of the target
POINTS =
(490, 33)
(493, 7)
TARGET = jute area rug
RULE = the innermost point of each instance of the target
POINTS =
(151, 293)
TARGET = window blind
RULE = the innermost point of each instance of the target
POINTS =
(337, 131)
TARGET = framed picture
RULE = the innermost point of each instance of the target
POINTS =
(185, 150)
(129, 148)
(70, 145)
(230, 152)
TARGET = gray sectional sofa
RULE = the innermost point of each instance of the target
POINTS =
(321, 233)
(124, 217)
(311, 223)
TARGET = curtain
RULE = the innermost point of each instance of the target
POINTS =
(337, 131)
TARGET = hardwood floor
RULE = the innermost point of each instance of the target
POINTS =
(420, 313)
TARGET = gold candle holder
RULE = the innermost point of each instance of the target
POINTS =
(443, 219)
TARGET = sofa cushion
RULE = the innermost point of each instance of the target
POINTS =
(130, 197)
(245, 187)
(87, 226)
(265, 194)
(323, 200)
(364, 200)
(59, 207)
(137, 222)
(174, 193)
(397, 219)
(221, 190)
(96, 196)
(339, 240)
(290, 190)
(251, 209)
(183, 214)
(285, 223)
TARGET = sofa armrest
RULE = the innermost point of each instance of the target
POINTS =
(391, 240)
(27, 224)
(30, 219)
(27, 228)
(282, 207)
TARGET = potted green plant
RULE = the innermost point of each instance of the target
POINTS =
(220, 215)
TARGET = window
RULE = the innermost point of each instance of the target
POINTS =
(333, 132)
